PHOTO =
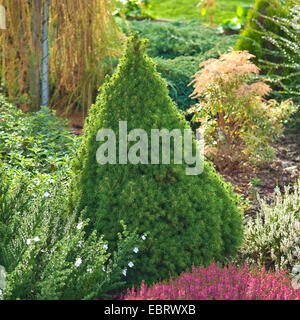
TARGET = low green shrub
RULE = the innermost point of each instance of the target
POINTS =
(177, 72)
(180, 38)
(272, 239)
(37, 142)
(46, 252)
(191, 219)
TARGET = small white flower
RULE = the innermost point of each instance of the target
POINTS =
(80, 244)
(89, 270)
(276, 189)
(36, 239)
(144, 237)
(136, 250)
(79, 226)
(234, 19)
(130, 264)
(78, 262)
(105, 247)
(28, 241)
(125, 272)
(0, 292)
(46, 194)
(103, 269)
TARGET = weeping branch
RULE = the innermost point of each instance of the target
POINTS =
(83, 40)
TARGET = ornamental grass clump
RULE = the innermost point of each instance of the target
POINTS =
(215, 283)
(190, 219)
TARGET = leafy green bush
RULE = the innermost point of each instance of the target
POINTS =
(190, 219)
(46, 252)
(34, 142)
(273, 238)
(231, 25)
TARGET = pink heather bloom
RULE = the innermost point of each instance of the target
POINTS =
(215, 283)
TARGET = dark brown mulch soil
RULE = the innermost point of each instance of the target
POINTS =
(282, 171)
(76, 120)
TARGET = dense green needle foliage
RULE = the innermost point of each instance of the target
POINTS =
(178, 72)
(181, 38)
(191, 219)
(178, 47)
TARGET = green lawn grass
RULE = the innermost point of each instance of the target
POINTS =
(175, 9)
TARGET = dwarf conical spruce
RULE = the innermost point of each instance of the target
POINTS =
(191, 219)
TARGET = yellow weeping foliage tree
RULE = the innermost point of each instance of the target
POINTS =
(83, 40)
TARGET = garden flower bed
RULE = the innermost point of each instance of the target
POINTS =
(215, 283)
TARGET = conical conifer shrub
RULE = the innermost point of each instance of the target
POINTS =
(191, 219)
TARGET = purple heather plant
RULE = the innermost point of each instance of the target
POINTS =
(215, 283)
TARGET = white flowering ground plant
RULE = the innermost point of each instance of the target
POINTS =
(49, 254)
(273, 238)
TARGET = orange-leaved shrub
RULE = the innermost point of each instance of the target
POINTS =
(239, 123)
